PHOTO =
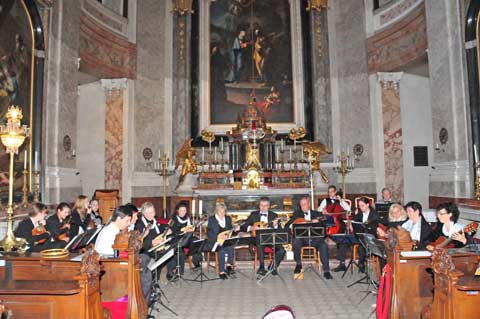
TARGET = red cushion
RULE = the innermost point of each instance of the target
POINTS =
(162, 221)
(267, 249)
(186, 250)
(118, 309)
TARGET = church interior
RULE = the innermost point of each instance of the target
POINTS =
(239, 159)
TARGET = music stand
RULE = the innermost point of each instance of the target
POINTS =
(83, 240)
(382, 210)
(197, 247)
(271, 237)
(179, 242)
(309, 231)
(350, 240)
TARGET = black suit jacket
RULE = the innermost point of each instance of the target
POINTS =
(372, 221)
(425, 234)
(24, 230)
(299, 214)
(147, 241)
(254, 217)
(53, 226)
(214, 229)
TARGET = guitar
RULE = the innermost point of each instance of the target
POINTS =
(443, 242)
(221, 237)
(265, 225)
(191, 228)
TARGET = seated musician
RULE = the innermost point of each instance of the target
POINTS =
(305, 213)
(217, 224)
(448, 228)
(36, 240)
(416, 225)
(133, 211)
(179, 221)
(58, 225)
(81, 217)
(95, 214)
(366, 215)
(334, 203)
(149, 228)
(270, 218)
(386, 196)
(120, 221)
(396, 217)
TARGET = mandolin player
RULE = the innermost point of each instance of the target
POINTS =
(58, 224)
(219, 226)
(150, 229)
(306, 214)
(269, 218)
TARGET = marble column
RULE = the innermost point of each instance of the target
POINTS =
(114, 104)
(448, 82)
(392, 132)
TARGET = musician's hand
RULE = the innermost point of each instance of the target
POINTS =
(67, 239)
(237, 228)
(460, 237)
(356, 211)
(169, 231)
(275, 223)
(67, 226)
(157, 241)
(380, 232)
(42, 222)
(324, 211)
(316, 220)
(350, 228)
(429, 247)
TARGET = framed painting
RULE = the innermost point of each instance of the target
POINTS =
(16, 80)
(250, 49)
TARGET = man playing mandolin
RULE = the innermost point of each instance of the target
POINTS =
(306, 215)
(264, 218)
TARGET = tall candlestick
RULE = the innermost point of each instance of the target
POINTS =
(295, 145)
(277, 157)
(200, 207)
(301, 150)
(282, 144)
(221, 144)
(193, 208)
(215, 153)
(25, 161)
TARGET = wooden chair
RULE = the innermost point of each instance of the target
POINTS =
(107, 202)
(268, 253)
(310, 254)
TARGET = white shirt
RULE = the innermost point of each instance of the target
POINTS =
(145, 223)
(221, 222)
(455, 228)
(365, 217)
(343, 203)
(413, 229)
(264, 218)
(106, 238)
(308, 216)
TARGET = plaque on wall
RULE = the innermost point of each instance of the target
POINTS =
(420, 156)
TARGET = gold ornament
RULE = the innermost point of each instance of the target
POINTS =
(187, 153)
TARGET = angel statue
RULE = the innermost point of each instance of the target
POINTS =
(313, 151)
(187, 153)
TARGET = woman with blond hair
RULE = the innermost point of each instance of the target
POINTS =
(81, 218)
(218, 224)
(396, 217)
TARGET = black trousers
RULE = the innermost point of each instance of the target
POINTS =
(279, 254)
(146, 276)
(342, 251)
(318, 243)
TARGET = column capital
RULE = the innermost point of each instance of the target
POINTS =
(113, 84)
(389, 79)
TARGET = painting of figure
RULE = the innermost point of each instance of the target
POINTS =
(15, 78)
(250, 57)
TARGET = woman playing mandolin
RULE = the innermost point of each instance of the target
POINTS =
(219, 229)
(58, 224)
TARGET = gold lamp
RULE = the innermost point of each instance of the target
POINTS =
(317, 5)
(13, 135)
(182, 7)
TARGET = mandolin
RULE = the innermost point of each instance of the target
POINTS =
(265, 225)
(221, 237)
(191, 228)
(39, 230)
(444, 242)
(66, 222)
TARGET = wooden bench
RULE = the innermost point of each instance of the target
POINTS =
(119, 276)
(78, 297)
(456, 294)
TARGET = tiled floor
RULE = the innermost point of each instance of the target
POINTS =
(243, 297)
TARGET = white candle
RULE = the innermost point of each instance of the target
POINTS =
(200, 207)
(203, 154)
(221, 144)
(193, 208)
(282, 144)
(277, 157)
(25, 161)
(215, 154)
(475, 157)
(290, 149)
(36, 161)
(295, 145)
(159, 153)
(301, 149)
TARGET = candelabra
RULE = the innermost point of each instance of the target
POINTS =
(13, 135)
(36, 186)
(477, 182)
(344, 166)
(162, 168)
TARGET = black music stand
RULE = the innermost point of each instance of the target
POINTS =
(180, 241)
(309, 231)
(382, 210)
(197, 247)
(271, 237)
(350, 240)
(83, 240)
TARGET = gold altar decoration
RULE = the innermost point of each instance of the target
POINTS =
(317, 5)
(207, 136)
(313, 151)
(187, 153)
(182, 7)
(13, 135)
(344, 165)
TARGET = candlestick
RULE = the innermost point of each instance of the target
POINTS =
(301, 149)
(25, 187)
(475, 157)
(282, 144)
(200, 207)
(193, 208)
(215, 154)
(290, 149)
(25, 161)
(36, 161)
(276, 154)
(221, 144)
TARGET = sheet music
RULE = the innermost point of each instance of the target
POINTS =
(77, 258)
(70, 243)
(416, 253)
(215, 247)
(164, 258)
(99, 228)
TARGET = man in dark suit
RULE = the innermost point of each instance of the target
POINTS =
(264, 215)
(309, 215)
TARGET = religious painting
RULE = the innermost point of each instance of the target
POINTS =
(16, 84)
(251, 56)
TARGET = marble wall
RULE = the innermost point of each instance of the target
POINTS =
(392, 138)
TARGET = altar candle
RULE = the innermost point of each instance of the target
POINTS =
(282, 144)
(25, 161)
(221, 144)
(193, 208)
(277, 157)
(215, 154)
(295, 145)
(290, 153)
(475, 157)
(36, 161)
(301, 150)
(203, 154)
(200, 207)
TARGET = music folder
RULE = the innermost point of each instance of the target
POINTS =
(234, 241)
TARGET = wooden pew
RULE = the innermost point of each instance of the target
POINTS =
(119, 276)
(412, 277)
(456, 294)
(78, 297)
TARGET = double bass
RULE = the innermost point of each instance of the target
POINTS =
(334, 211)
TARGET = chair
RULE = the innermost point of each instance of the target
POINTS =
(217, 271)
(268, 252)
(371, 201)
(310, 254)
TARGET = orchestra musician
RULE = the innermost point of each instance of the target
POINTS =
(95, 214)
(133, 211)
(58, 225)
(217, 224)
(448, 226)
(120, 221)
(305, 213)
(81, 217)
(366, 215)
(386, 196)
(334, 203)
(266, 216)
(149, 228)
(179, 221)
(416, 225)
(40, 240)
(396, 217)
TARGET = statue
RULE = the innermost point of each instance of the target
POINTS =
(313, 151)
(187, 153)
